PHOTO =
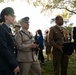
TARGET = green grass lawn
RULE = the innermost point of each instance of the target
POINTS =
(47, 68)
(72, 65)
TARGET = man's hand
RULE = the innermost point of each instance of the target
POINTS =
(33, 45)
(16, 70)
(60, 48)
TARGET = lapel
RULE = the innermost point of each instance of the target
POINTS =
(61, 30)
(6, 29)
(27, 33)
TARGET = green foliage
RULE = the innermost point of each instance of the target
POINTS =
(1, 1)
(69, 29)
(47, 68)
(74, 3)
(69, 5)
(28, 1)
(57, 2)
(6, 0)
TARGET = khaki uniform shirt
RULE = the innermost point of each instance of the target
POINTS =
(25, 53)
(56, 38)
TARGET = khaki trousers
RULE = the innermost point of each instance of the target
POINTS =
(34, 66)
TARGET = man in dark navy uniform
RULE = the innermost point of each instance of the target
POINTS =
(8, 63)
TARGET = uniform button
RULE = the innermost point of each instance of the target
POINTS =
(14, 52)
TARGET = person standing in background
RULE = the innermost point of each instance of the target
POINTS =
(8, 63)
(35, 38)
(17, 27)
(48, 47)
(74, 37)
(26, 50)
(41, 46)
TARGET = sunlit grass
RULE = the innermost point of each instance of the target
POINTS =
(47, 68)
(72, 65)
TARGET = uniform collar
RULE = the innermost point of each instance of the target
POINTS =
(25, 30)
(59, 26)
(7, 25)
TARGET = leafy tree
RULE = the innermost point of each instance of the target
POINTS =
(50, 5)
(6, 0)
(69, 5)
(65, 15)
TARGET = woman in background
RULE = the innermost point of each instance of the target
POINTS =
(41, 46)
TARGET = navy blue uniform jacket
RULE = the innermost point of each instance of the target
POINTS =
(7, 58)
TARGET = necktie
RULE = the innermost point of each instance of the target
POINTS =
(10, 30)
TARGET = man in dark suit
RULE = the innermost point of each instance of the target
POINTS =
(8, 63)
(56, 39)
(74, 37)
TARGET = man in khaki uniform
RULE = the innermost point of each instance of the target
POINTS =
(48, 46)
(17, 27)
(26, 50)
(56, 39)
